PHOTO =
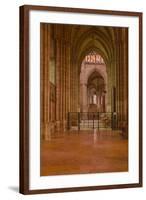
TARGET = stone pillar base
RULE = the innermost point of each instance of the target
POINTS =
(45, 131)
(64, 125)
(123, 126)
(57, 126)
(52, 127)
(60, 126)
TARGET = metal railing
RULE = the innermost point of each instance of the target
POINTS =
(92, 120)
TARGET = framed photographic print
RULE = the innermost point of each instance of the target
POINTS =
(80, 99)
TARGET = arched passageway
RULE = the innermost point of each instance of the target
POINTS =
(93, 84)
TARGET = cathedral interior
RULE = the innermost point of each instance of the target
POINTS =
(84, 99)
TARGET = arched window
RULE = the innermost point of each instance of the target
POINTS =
(93, 58)
(94, 98)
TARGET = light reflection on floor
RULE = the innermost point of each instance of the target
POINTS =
(76, 152)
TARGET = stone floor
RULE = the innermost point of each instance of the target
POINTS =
(84, 152)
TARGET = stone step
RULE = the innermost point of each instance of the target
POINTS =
(86, 123)
(90, 128)
(94, 127)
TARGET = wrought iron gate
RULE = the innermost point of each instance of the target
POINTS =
(92, 120)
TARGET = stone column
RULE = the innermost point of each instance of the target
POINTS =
(103, 102)
(118, 79)
(121, 85)
(72, 86)
(58, 80)
(70, 75)
(84, 97)
(45, 87)
(125, 75)
(109, 81)
(66, 82)
(61, 83)
(68, 78)
(64, 88)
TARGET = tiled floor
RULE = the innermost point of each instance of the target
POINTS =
(84, 152)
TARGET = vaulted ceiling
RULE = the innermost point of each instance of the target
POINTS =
(84, 38)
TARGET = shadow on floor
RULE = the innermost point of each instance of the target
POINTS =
(14, 188)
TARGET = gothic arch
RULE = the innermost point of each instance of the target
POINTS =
(106, 42)
(87, 51)
(94, 70)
